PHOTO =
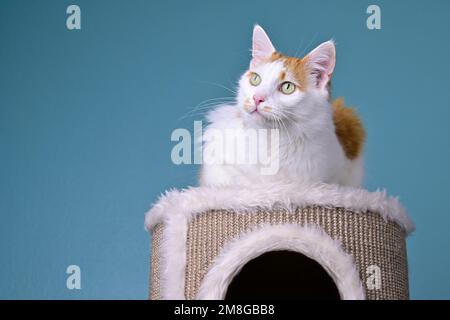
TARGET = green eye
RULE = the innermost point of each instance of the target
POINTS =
(287, 87)
(255, 79)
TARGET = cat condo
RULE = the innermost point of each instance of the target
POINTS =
(282, 242)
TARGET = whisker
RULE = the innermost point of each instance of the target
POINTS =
(213, 101)
(287, 132)
(219, 85)
(290, 113)
(205, 106)
(209, 104)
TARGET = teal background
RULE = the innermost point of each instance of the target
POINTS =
(86, 118)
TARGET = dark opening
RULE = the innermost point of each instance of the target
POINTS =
(285, 275)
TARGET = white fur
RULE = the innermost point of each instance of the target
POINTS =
(175, 209)
(307, 240)
(192, 201)
(309, 150)
(173, 257)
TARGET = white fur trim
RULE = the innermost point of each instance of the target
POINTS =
(193, 201)
(173, 258)
(313, 242)
(176, 208)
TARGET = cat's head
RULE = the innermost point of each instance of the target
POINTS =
(278, 87)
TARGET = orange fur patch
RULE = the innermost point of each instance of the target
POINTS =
(296, 66)
(349, 129)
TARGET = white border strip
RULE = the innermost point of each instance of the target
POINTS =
(173, 258)
(193, 201)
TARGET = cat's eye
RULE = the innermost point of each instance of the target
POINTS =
(255, 79)
(287, 87)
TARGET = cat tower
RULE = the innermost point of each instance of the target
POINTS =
(280, 241)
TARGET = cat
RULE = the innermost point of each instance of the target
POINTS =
(319, 140)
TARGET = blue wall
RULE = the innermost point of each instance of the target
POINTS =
(86, 118)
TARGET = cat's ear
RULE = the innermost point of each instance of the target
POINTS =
(321, 62)
(262, 47)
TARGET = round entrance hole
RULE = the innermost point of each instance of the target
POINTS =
(282, 275)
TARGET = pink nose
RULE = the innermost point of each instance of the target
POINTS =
(258, 99)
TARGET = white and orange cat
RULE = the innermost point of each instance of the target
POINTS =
(319, 140)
